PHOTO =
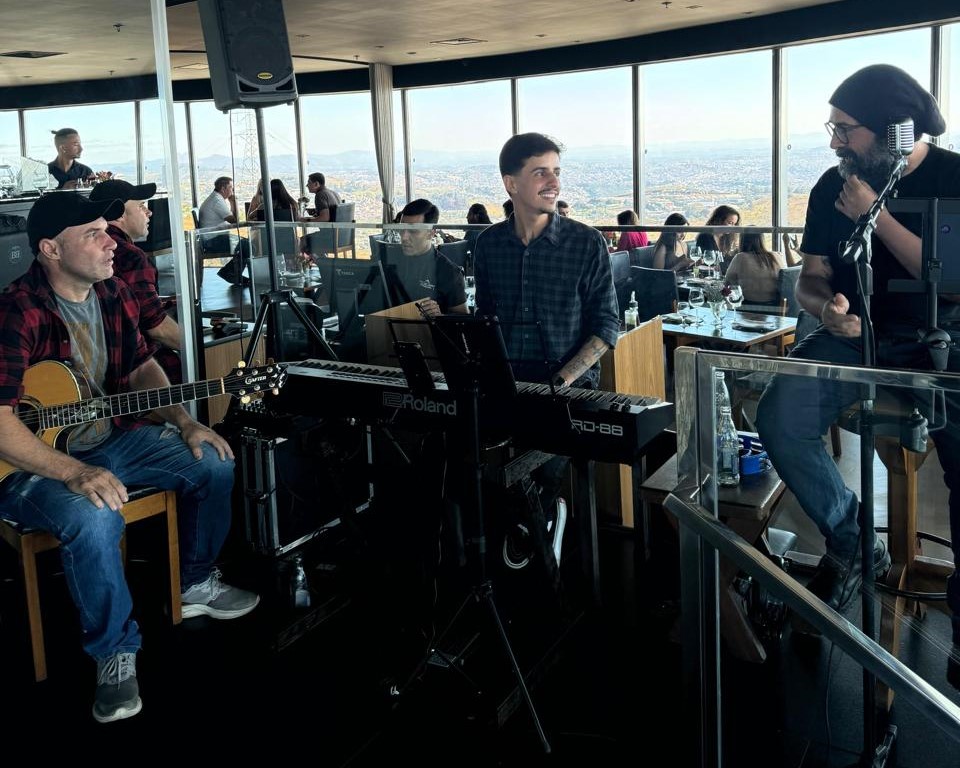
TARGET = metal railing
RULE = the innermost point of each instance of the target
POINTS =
(702, 537)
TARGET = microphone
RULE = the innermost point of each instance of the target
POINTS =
(900, 137)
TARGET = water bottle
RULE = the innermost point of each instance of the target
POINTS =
(301, 590)
(720, 394)
(631, 315)
(728, 450)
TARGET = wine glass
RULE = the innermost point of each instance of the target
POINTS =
(735, 297)
(709, 258)
(693, 253)
(683, 309)
(696, 299)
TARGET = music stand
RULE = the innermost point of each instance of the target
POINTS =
(473, 357)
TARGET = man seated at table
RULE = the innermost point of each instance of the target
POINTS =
(423, 274)
(220, 210)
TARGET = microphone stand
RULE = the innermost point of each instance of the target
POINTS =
(858, 251)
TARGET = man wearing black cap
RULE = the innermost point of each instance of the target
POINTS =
(69, 307)
(795, 412)
(132, 265)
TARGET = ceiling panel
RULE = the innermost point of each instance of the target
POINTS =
(338, 34)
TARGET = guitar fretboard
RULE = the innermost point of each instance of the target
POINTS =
(123, 404)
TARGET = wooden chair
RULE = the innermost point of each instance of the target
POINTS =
(143, 503)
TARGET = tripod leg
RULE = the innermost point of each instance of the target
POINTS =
(486, 594)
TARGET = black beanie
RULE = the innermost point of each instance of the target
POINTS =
(881, 94)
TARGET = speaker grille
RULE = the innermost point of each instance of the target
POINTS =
(248, 52)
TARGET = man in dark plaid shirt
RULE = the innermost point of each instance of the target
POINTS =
(132, 265)
(538, 267)
(68, 307)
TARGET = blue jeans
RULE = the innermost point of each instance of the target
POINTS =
(796, 411)
(90, 537)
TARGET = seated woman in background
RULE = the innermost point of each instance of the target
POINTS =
(722, 216)
(284, 204)
(670, 252)
(755, 270)
(630, 240)
(476, 214)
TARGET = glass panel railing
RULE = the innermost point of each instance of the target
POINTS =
(787, 583)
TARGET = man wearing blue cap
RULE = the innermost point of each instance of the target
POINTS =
(794, 411)
(69, 307)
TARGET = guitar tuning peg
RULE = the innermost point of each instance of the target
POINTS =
(242, 364)
(245, 399)
(275, 391)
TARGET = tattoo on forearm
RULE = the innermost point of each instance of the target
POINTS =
(586, 357)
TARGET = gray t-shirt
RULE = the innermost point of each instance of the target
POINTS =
(88, 349)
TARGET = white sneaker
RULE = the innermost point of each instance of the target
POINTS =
(218, 600)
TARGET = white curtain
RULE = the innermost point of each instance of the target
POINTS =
(381, 94)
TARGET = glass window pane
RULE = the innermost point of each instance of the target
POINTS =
(106, 131)
(338, 140)
(709, 138)
(813, 73)
(10, 139)
(455, 155)
(211, 146)
(589, 113)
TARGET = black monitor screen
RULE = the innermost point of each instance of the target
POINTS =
(158, 238)
(15, 253)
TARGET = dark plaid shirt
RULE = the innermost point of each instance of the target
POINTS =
(561, 280)
(32, 330)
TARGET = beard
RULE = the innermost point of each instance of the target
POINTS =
(873, 166)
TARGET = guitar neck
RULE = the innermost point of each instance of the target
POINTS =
(129, 403)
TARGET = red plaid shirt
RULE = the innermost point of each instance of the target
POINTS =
(134, 267)
(32, 330)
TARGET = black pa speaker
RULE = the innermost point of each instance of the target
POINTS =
(248, 52)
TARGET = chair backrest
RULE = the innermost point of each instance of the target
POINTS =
(376, 246)
(787, 288)
(195, 212)
(346, 212)
(620, 266)
(643, 256)
(655, 289)
(456, 252)
(333, 240)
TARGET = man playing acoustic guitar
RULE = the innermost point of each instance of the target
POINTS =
(68, 307)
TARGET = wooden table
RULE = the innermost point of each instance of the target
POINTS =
(747, 510)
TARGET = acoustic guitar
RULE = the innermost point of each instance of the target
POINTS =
(57, 398)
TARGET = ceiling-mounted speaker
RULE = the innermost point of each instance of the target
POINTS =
(248, 53)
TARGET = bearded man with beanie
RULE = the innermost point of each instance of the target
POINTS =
(795, 412)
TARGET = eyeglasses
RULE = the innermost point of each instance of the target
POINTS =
(840, 130)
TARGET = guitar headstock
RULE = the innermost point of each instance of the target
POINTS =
(255, 380)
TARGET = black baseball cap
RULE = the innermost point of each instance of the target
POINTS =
(56, 211)
(118, 189)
